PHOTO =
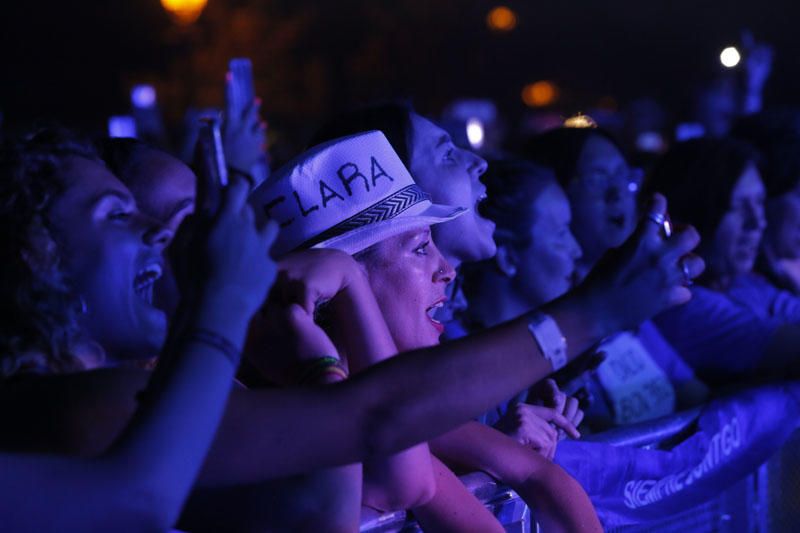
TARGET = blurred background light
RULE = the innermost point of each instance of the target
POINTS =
(540, 94)
(143, 96)
(501, 18)
(730, 57)
(184, 12)
(475, 134)
(580, 121)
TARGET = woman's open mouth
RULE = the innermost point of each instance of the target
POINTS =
(145, 280)
(431, 312)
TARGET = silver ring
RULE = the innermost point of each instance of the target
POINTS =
(687, 276)
(658, 218)
(663, 221)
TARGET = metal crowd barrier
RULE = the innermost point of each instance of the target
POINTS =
(767, 501)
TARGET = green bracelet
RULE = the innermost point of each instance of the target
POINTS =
(310, 371)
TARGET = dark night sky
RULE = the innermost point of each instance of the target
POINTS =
(75, 61)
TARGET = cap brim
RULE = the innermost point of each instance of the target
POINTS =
(362, 238)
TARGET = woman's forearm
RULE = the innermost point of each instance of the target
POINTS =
(388, 407)
(453, 508)
(559, 502)
(404, 479)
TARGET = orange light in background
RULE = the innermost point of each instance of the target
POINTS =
(501, 18)
(540, 94)
(184, 12)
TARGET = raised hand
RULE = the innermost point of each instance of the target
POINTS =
(236, 251)
(244, 134)
(646, 275)
(314, 276)
(537, 427)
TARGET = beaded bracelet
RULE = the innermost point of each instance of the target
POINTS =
(215, 340)
(311, 371)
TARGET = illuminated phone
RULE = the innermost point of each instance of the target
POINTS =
(121, 126)
(242, 92)
(241, 95)
(212, 171)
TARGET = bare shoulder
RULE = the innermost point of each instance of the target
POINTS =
(78, 413)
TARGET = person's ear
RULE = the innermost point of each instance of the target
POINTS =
(506, 260)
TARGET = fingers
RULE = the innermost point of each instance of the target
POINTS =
(268, 233)
(682, 242)
(250, 115)
(692, 265)
(540, 432)
(234, 196)
(678, 295)
(570, 409)
(559, 400)
(657, 209)
(533, 413)
(550, 389)
(578, 418)
(561, 422)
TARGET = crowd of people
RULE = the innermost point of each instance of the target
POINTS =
(383, 313)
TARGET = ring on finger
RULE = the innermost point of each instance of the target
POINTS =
(661, 220)
(687, 275)
(658, 218)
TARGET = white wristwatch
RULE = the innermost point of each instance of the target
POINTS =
(548, 336)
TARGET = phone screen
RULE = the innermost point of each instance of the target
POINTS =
(211, 167)
(242, 91)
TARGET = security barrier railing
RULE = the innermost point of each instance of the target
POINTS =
(767, 501)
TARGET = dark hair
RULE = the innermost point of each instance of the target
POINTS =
(511, 187)
(776, 135)
(560, 149)
(121, 154)
(391, 118)
(698, 176)
(39, 310)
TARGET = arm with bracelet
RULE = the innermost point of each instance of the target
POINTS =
(142, 480)
(405, 479)
(406, 399)
(420, 394)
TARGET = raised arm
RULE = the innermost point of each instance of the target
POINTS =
(418, 395)
(141, 482)
(414, 396)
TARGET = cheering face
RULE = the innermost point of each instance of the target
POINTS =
(408, 276)
(546, 267)
(783, 228)
(164, 188)
(603, 204)
(738, 235)
(112, 255)
(451, 176)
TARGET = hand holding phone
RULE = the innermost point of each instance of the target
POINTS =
(244, 132)
(212, 171)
